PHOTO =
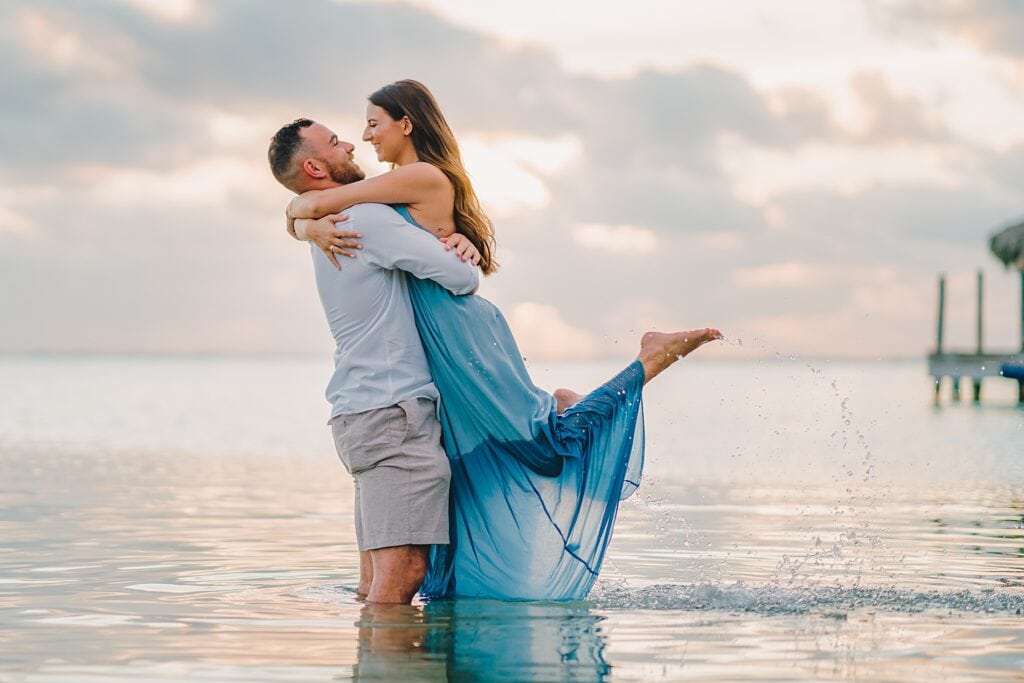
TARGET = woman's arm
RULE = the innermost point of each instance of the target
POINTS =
(407, 184)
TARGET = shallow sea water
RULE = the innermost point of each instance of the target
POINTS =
(186, 519)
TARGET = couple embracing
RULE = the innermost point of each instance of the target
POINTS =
(469, 480)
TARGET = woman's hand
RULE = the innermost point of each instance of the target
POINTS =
(302, 206)
(464, 249)
(331, 239)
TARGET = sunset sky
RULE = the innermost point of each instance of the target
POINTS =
(795, 173)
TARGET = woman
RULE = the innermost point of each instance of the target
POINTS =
(428, 178)
(536, 481)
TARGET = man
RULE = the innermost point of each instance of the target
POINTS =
(383, 401)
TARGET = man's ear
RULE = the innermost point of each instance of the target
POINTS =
(406, 126)
(314, 169)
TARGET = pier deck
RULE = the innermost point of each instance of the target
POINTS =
(973, 367)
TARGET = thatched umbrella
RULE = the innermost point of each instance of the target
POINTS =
(1008, 246)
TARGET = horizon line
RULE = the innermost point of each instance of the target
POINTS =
(215, 354)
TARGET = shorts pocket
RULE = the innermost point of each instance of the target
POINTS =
(368, 439)
(401, 426)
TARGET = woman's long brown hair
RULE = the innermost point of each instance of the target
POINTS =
(435, 144)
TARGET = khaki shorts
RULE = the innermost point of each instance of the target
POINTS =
(400, 471)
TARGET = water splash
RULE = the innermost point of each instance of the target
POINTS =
(771, 600)
(856, 546)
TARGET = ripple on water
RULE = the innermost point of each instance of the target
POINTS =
(181, 563)
(772, 600)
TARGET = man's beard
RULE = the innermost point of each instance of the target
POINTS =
(346, 173)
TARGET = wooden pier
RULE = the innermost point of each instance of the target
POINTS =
(973, 366)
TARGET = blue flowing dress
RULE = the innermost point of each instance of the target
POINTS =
(534, 494)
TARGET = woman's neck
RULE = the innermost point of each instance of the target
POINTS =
(407, 157)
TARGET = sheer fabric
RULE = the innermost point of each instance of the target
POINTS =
(534, 494)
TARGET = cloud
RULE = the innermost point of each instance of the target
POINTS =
(505, 184)
(138, 212)
(786, 274)
(168, 10)
(894, 221)
(996, 26)
(14, 222)
(206, 181)
(541, 332)
(619, 239)
(1007, 166)
(893, 118)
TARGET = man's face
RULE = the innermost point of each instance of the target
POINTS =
(336, 155)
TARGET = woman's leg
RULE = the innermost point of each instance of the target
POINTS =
(658, 350)
(565, 398)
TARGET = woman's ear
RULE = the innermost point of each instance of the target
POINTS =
(406, 126)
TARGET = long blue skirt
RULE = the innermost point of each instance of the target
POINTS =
(534, 494)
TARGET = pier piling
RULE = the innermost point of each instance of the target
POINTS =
(1022, 316)
(981, 310)
(981, 332)
(975, 365)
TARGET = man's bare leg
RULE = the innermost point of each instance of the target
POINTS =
(659, 350)
(365, 573)
(386, 629)
(398, 572)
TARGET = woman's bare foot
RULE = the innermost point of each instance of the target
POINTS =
(658, 350)
(566, 398)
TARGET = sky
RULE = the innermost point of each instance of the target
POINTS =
(794, 173)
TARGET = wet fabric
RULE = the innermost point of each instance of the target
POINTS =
(534, 494)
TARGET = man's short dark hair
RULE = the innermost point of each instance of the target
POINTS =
(283, 147)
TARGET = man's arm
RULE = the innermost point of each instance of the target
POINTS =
(333, 237)
(390, 242)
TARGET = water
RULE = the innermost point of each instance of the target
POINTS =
(186, 519)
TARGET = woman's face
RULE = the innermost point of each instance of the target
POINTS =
(389, 137)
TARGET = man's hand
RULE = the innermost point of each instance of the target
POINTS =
(331, 239)
(464, 249)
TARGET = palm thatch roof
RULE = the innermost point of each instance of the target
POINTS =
(1008, 246)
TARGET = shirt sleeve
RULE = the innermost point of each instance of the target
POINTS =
(390, 242)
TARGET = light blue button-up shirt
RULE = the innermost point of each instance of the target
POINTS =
(379, 359)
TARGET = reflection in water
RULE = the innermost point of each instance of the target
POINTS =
(395, 643)
(480, 640)
(184, 540)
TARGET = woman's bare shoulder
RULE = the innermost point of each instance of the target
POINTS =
(426, 172)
